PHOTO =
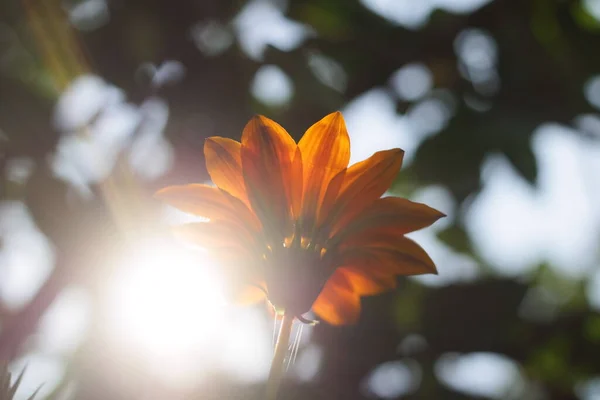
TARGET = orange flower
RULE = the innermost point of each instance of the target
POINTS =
(295, 220)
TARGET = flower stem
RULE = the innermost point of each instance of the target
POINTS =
(277, 365)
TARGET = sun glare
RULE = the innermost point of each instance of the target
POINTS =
(165, 299)
(166, 312)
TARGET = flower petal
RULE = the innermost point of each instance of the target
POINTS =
(325, 151)
(392, 215)
(247, 295)
(366, 282)
(236, 251)
(202, 200)
(337, 304)
(224, 165)
(217, 235)
(267, 159)
(388, 256)
(361, 185)
(207, 201)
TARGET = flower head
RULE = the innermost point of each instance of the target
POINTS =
(298, 222)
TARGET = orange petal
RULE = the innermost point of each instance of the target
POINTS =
(248, 295)
(325, 151)
(267, 159)
(361, 185)
(197, 199)
(392, 215)
(207, 201)
(234, 250)
(337, 304)
(218, 234)
(367, 283)
(391, 256)
(224, 165)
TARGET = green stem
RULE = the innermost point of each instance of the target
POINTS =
(277, 365)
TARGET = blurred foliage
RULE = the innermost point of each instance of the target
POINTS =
(547, 51)
(8, 388)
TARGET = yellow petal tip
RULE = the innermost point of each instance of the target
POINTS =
(160, 193)
(337, 115)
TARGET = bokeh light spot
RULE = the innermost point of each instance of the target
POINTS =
(271, 86)
(481, 374)
(412, 81)
(393, 379)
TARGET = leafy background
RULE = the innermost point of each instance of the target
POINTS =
(495, 102)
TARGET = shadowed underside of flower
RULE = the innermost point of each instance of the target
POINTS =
(298, 222)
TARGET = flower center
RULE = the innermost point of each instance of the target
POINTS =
(295, 277)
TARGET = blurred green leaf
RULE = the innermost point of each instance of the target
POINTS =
(592, 329)
(584, 19)
(549, 361)
(408, 306)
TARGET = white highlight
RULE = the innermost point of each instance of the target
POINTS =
(271, 86)
(481, 374)
(394, 379)
(261, 23)
(557, 223)
(167, 312)
(415, 14)
(64, 325)
(40, 369)
(412, 81)
(26, 256)
(164, 300)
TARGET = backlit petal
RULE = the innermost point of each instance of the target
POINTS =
(325, 151)
(248, 295)
(361, 185)
(337, 304)
(219, 235)
(235, 251)
(202, 200)
(393, 215)
(267, 159)
(224, 165)
(388, 256)
(365, 282)
(207, 201)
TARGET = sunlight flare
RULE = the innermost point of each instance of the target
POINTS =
(165, 298)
